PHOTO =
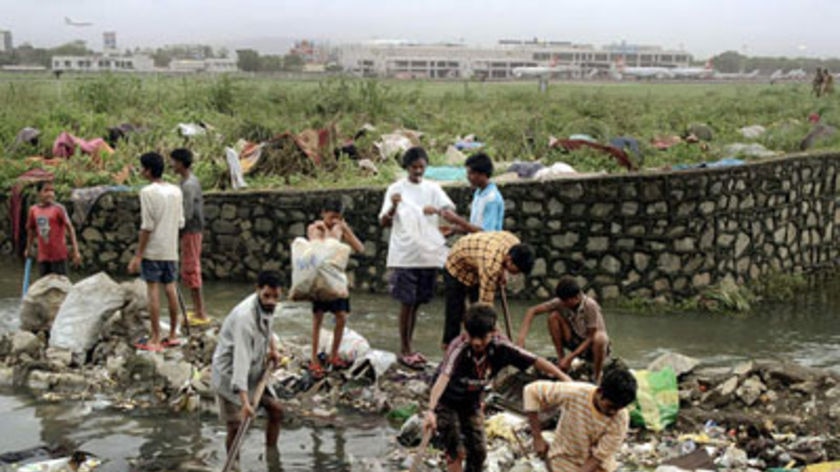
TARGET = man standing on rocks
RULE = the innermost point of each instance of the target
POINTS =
(412, 205)
(480, 260)
(245, 344)
(191, 233)
(161, 216)
(593, 425)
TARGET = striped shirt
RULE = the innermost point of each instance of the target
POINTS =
(582, 431)
(470, 374)
(478, 259)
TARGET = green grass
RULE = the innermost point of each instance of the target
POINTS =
(514, 119)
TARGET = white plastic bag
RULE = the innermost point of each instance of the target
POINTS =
(416, 229)
(353, 345)
(318, 269)
(88, 304)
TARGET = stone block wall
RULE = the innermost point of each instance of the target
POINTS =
(653, 234)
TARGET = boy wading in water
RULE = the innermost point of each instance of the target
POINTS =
(468, 366)
(331, 225)
(48, 221)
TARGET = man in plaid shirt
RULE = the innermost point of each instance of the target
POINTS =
(477, 265)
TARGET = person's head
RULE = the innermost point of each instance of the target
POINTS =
(616, 391)
(152, 165)
(568, 291)
(480, 324)
(331, 212)
(519, 259)
(414, 161)
(46, 192)
(479, 169)
(268, 289)
(182, 159)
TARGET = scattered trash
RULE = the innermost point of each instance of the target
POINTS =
(752, 132)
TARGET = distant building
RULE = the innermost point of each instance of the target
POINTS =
(310, 52)
(102, 63)
(109, 41)
(205, 65)
(7, 45)
(405, 59)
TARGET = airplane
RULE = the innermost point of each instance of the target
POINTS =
(620, 70)
(694, 72)
(736, 75)
(70, 22)
(794, 74)
(543, 71)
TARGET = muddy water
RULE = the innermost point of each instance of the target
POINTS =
(804, 329)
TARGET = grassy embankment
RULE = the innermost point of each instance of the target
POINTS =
(514, 119)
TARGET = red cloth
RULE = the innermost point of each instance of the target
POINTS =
(618, 154)
(191, 259)
(65, 145)
(50, 224)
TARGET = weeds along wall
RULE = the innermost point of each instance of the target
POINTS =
(639, 235)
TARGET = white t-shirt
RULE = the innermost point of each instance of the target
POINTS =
(403, 247)
(162, 214)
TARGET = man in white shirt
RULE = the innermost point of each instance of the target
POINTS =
(416, 249)
(162, 215)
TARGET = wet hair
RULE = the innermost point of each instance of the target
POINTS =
(40, 185)
(182, 155)
(414, 154)
(270, 278)
(522, 256)
(154, 162)
(618, 385)
(481, 163)
(567, 287)
(333, 204)
(480, 320)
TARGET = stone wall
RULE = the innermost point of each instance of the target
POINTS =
(654, 234)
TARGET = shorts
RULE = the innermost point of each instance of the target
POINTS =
(229, 411)
(412, 286)
(191, 259)
(333, 306)
(467, 422)
(586, 355)
(53, 267)
(164, 272)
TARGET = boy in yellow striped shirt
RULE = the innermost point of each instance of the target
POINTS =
(592, 424)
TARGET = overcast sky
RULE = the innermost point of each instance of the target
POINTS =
(701, 27)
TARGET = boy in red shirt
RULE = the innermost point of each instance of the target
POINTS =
(49, 221)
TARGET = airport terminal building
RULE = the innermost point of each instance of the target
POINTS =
(405, 59)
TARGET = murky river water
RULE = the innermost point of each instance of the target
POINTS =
(804, 329)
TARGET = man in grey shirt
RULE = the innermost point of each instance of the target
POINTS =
(239, 361)
(191, 233)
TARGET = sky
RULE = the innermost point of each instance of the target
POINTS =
(701, 27)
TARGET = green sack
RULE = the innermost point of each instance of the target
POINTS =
(657, 399)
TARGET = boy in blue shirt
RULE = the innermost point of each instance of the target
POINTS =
(487, 212)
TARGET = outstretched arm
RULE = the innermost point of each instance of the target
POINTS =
(463, 225)
(529, 317)
(430, 422)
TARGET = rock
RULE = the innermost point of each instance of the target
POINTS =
(733, 458)
(743, 368)
(60, 357)
(777, 375)
(417, 387)
(679, 363)
(42, 301)
(176, 373)
(115, 366)
(411, 431)
(69, 382)
(25, 342)
(728, 387)
(750, 390)
(807, 387)
(40, 380)
(7, 376)
(833, 410)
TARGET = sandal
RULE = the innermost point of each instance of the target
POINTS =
(166, 342)
(413, 361)
(316, 370)
(338, 363)
(143, 345)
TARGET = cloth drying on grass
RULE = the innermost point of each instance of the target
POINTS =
(618, 154)
(65, 146)
(446, 173)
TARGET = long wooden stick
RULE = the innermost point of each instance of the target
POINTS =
(421, 452)
(246, 422)
(183, 306)
(506, 312)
